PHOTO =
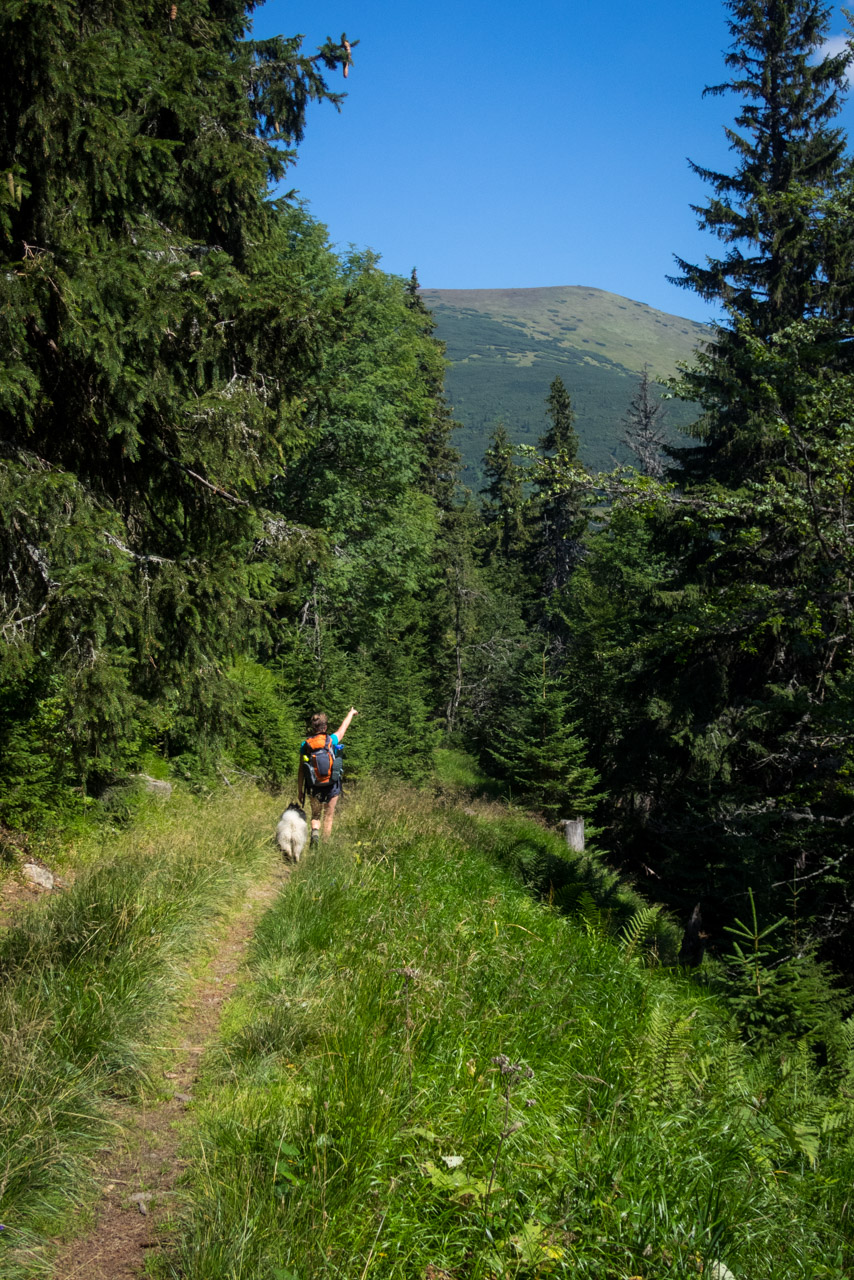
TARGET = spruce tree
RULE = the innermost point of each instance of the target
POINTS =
(787, 255)
(537, 747)
(504, 494)
(558, 515)
(441, 465)
(644, 428)
(788, 155)
(560, 436)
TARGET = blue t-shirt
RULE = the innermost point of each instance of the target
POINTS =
(333, 738)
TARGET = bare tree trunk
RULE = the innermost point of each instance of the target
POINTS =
(456, 696)
(693, 940)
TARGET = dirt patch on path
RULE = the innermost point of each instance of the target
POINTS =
(139, 1175)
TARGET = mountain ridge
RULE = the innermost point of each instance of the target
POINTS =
(505, 347)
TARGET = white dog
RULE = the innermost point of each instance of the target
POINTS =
(291, 832)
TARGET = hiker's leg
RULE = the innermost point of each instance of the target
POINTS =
(329, 815)
(315, 818)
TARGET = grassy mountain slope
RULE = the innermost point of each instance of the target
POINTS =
(507, 345)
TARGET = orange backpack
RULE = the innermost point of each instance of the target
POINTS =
(322, 762)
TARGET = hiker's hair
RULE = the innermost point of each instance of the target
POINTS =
(319, 724)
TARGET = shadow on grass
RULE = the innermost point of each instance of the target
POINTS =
(573, 883)
(457, 771)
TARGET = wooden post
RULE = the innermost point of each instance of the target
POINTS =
(574, 829)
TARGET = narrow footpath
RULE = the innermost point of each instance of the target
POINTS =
(139, 1175)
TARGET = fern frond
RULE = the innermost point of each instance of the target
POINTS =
(833, 1121)
(592, 918)
(665, 1067)
(847, 1029)
(729, 1075)
(700, 1070)
(638, 929)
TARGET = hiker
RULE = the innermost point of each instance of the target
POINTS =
(320, 769)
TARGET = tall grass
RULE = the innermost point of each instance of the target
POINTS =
(84, 980)
(433, 1075)
(574, 882)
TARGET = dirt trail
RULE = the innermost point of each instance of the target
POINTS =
(139, 1175)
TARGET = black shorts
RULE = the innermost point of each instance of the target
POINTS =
(329, 792)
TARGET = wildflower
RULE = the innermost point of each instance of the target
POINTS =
(512, 1071)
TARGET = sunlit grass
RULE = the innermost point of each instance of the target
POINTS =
(457, 770)
(84, 980)
(431, 1069)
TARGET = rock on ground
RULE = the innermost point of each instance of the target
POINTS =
(155, 786)
(38, 875)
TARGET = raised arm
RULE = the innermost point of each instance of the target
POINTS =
(345, 723)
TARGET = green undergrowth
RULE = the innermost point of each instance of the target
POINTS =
(432, 1074)
(574, 883)
(85, 979)
(457, 771)
(581, 885)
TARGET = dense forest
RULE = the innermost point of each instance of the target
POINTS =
(229, 493)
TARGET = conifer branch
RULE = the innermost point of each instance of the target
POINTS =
(194, 475)
(135, 555)
(15, 626)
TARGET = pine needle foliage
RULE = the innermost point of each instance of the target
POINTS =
(535, 744)
(148, 391)
(768, 212)
(709, 625)
(778, 998)
(212, 426)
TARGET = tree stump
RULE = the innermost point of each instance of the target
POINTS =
(574, 831)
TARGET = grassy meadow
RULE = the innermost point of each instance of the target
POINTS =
(432, 1072)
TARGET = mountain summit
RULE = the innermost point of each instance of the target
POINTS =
(507, 345)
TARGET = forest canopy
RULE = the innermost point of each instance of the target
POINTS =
(212, 426)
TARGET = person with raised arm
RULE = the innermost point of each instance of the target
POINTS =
(321, 769)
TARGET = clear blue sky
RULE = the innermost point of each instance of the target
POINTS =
(516, 145)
